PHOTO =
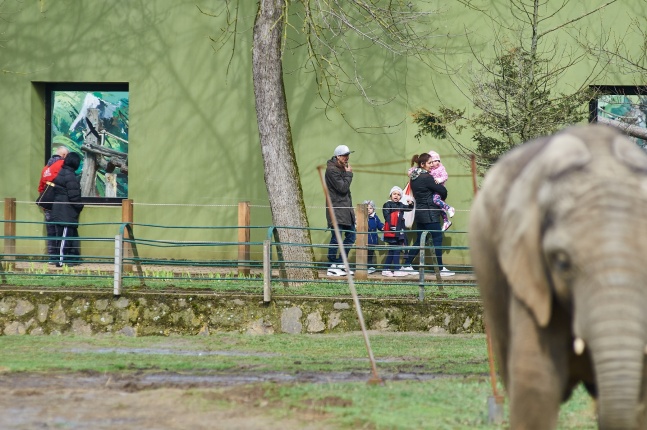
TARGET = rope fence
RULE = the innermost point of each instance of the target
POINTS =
(125, 254)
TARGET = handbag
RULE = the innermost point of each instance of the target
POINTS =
(46, 199)
(410, 215)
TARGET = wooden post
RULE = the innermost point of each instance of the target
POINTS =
(243, 238)
(90, 163)
(474, 174)
(9, 228)
(361, 252)
(127, 216)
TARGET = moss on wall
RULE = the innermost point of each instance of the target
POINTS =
(34, 312)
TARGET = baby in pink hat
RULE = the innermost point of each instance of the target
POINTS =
(439, 173)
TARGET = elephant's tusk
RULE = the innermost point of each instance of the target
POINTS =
(578, 346)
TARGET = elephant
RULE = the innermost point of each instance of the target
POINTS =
(558, 241)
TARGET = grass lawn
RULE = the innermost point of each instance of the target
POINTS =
(430, 381)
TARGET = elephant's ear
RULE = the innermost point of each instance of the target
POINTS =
(520, 251)
(628, 153)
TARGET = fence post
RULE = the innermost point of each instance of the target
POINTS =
(243, 238)
(119, 264)
(474, 173)
(127, 217)
(267, 271)
(9, 228)
(361, 252)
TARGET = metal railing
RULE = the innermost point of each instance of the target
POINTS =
(125, 254)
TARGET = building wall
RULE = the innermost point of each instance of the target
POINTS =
(194, 150)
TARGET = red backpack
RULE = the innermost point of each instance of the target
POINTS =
(391, 225)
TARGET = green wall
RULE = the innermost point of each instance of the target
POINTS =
(194, 150)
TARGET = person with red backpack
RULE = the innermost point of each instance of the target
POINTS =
(48, 174)
(393, 211)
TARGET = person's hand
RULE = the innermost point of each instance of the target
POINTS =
(348, 168)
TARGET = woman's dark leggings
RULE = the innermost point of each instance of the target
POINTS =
(436, 238)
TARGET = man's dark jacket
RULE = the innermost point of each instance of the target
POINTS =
(338, 182)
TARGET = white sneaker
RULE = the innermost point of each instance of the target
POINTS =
(407, 269)
(451, 211)
(446, 225)
(446, 272)
(399, 273)
(336, 270)
(371, 270)
(342, 268)
(387, 273)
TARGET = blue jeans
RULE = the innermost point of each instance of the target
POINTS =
(436, 238)
(349, 239)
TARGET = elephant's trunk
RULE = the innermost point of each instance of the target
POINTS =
(616, 332)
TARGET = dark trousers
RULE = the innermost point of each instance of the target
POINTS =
(392, 261)
(436, 238)
(349, 239)
(69, 248)
(52, 249)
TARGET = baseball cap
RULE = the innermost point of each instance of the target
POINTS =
(342, 150)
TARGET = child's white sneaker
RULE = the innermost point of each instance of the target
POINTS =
(451, 211)
(399, 273)
(371, 270)
(387, 273)
(446, 225)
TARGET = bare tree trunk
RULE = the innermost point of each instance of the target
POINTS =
(281, 171)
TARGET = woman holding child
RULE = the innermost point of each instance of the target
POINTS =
(428, 214)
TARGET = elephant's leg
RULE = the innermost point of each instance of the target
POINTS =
(537, 367)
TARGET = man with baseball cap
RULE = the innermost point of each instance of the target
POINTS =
(339, 175)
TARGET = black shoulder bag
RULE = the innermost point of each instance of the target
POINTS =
(46, 199)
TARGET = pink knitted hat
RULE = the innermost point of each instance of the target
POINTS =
(434, 155)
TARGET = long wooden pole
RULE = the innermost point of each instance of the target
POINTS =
(351, 284)
(498, 399)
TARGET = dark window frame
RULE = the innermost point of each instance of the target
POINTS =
(50, 88)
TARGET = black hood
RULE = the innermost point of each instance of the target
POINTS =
(72, 160)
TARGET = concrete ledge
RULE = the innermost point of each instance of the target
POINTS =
(52, 312)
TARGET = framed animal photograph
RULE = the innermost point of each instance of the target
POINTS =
(624, 107)
(92, 120)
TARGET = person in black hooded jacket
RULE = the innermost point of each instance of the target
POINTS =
(66, 209)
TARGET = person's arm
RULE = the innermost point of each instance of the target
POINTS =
(339, 180)
(441, 175)
(73, 187)
(379, 223)
(437, 188)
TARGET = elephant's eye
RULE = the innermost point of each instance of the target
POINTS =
(560, 261)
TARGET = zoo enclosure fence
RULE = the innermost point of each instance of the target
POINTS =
(259, 263)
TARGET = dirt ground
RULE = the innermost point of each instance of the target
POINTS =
(162, 400)
(142, 401)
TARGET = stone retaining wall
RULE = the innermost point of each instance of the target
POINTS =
(46, 312)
